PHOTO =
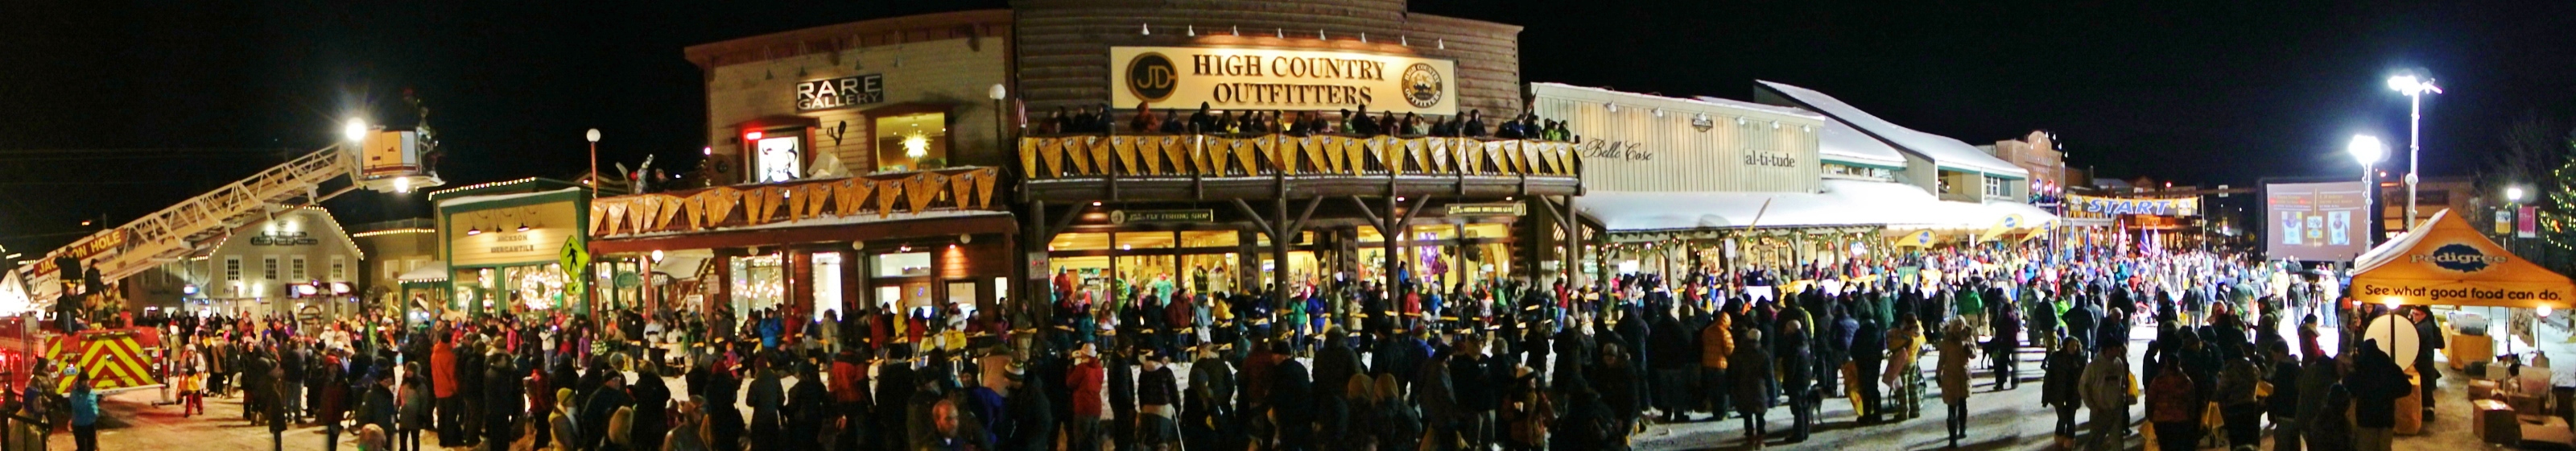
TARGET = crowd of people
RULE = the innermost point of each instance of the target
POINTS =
(1365, 364)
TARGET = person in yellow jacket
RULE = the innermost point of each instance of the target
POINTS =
(565, 430)
(1902, 377)
(1717, 341)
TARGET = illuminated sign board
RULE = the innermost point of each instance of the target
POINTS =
(1262, 79)
(841, 92)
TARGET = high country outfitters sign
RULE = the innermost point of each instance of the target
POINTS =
(1228, 78)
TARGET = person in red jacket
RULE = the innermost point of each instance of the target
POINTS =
(442, 383)
(849, 392)
(1181, 320)
(1087, 380)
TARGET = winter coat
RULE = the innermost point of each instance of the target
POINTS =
(2065, 373)
(378, 408)
(2105, 386)
(1086, 379)
(1750, 367)
(1904, 342)
(1953, 366)
(2316, 376)
(2170, 398)
(442, 370)
(1528, 416)
(1469, 380)
(1669, 345)
(2236, 383)
(2331, 432)
(415, 406)
(2284, 402)
(2376, 383)
(1716, 342)
(1291, 396)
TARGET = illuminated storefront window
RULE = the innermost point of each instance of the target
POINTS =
(912, 142)
(827, 285)
(759, 282)
(536, 287)
(778, 159)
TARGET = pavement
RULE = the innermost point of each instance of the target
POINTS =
(2007, 420)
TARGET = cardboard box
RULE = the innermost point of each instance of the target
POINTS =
(2494, 422)
(2482, 389)
(2527, 403)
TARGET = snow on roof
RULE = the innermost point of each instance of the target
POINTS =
(1841, 142)
(1942, 150)
(1842, 203)
(432, 272)
(496, 197)
(1702, 100)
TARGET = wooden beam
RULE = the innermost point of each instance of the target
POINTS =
(1063, 222)
(1374, 220)
(1300, 225)
(1264, 224)
(1409, 212)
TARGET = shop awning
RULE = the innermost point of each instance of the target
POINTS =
(1842, 203)
(2445, 261)
(435, 271)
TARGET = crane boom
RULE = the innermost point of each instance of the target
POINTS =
(192, 225)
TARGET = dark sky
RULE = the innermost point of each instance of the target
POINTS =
(114, 110)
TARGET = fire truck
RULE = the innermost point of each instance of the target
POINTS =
(127, 357)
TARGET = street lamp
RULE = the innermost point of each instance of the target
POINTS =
(593, 136)
(2367, 150)
(2414, 89)
(356, 130)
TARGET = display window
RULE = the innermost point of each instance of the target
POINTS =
(912, 142)
(778, 159)
(759, 282)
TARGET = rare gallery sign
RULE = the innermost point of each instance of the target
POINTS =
(1227, 78)
(840, 92)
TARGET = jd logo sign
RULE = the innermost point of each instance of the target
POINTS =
(2459, 257)
(1151, 77)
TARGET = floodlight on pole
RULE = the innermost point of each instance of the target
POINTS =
(355, 130)
(2513, 194)
(593, 136)
(2414, 88)
(2367, 150)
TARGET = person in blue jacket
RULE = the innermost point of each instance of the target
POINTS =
(84, 414)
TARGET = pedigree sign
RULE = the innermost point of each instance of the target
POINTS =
(1228, 78)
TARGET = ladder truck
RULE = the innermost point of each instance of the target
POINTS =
(125, 358)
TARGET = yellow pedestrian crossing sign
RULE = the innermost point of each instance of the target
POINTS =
(573, 255)
(576, 262)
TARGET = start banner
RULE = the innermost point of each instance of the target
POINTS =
(2178, 206)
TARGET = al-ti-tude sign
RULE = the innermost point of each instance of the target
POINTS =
(1228, 78)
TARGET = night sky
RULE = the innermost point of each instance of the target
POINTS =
(115, 110)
